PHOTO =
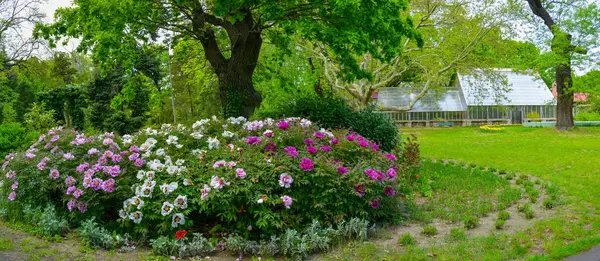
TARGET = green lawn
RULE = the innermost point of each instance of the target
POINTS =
(570, 160)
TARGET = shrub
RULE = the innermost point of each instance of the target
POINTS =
(253, 178)
(14, 137)
(587, 116)
(39, 119)
(182, 247)
(470, 222)
(333, 113)
(533, 115)
(429, 230)
(94, 235)
(407, 239)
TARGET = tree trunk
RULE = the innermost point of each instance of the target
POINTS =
(236, 91)
(564, 107)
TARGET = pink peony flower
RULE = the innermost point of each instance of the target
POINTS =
(268, 133)
(108, 185)
(116, 158)
(54, 149)
(96, 183)
(114, 170)
(133, 156)
(54, 174)
(82, 167)
(68, 156)
(240, 173)
(15, 185)
(287, 201)
(283, 125)
(55, 138)
(41, 165)
(134, 149)
(139, 163)
(11, 174)
(70, 181)
(29, 155)
(285, 180)
(71, 205)
(93, 151)
(12, 196)
(87, 182)
(70, 190)
(306, 164)
(77, 193)
(82, 206)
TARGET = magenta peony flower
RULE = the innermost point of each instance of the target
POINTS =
(360, 189)
(391, 173)
(308, 142)
(253, 140)
(271, 147)
(363, 143)
(334, 141)
(285, 180)
(283, 125)
(306, 164)
(390, 156)
(291, 151)
(268, 133)
(342, 170)
(372, 174)
(389, 191)
(287, 201)
(350, 138)
(374, 203)
(325, 148)
(240, 173)
(374, 146)
(311, 149)
(319, 135)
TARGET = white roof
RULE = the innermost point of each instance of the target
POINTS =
(521, 89)
(448, 100)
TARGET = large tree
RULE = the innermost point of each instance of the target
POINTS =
(232, 31)
(452, 32)
(573, 26)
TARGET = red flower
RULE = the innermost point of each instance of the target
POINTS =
(418, 176)
(180, 234)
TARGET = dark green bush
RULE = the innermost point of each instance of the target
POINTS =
(331, 112)
(13, 137)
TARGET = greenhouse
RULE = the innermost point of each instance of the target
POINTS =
(510, 99)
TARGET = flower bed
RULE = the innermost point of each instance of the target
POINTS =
(256, 178)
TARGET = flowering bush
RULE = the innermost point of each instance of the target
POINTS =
(258, 177)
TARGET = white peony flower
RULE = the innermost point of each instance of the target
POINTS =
(136, 217)
(180, 202)
(178, 219)
(213, 143)
(228, 134)
(166, 209)
(179, 162)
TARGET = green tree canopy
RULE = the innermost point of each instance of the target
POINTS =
(231, 33)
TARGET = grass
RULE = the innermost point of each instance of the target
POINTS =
(566, 159)
(460, 193)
